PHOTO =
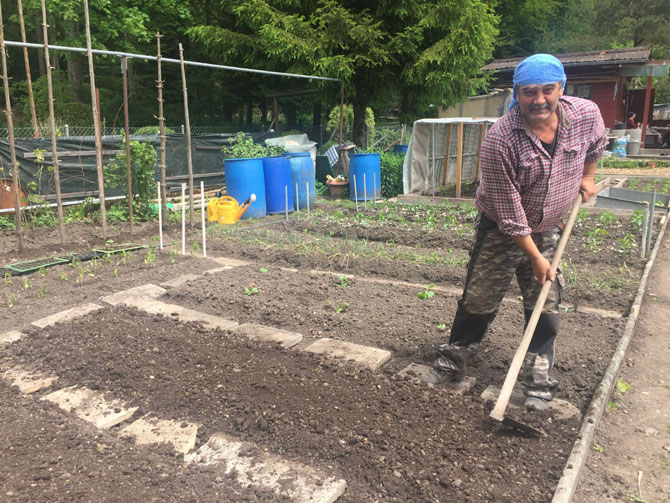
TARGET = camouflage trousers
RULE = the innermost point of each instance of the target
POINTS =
(494, 260)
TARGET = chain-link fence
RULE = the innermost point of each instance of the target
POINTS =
(66, 131)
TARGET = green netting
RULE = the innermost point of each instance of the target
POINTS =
(36, 264)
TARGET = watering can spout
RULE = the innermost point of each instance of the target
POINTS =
(245, 206)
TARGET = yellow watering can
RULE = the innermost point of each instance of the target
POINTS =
(228, 211)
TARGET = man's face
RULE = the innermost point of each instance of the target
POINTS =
(538, 103)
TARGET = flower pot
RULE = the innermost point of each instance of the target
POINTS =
(337, 188)
(652, 165)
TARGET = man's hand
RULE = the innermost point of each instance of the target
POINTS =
(541, 266)
(587, 188)
(542, 270)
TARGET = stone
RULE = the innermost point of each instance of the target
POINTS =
(91, 406)
(11, 336)
(181, 313)
(417, 370)
(142, 291)
(67, 315)
(217, 270)
(230, 262)
(179, 281)
(269, 334)
(27, 381)
(366, 356)
(250, 466)
(151, 430)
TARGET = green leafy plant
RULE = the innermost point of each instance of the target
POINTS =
(43, 291)
(342, 280)
(428, 293)
(582, 216)
(442, 327)
(339, 308)
(63, 276)
(606, 218)
(594, 237)
(611, 406)
(27, 284)
(42, 271)
(11, 300)
(115, 271)
(150, 257)
(262, 269)
(622, 386)
(626, 243)
(250, 290)
(8, 279)
(173, 256)
(599, 448)
(195, 248)
(244, 147)
(637, 219)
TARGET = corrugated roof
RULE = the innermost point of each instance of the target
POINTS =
(607, 56)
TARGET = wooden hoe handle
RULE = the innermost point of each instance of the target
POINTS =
(498, 412)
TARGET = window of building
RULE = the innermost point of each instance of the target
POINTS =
(580, 90)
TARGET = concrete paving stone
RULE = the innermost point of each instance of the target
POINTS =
(11, 336)
(180, 280)
(250, 466)
(181, 313)
(148, 290)
(151, 430)
(67, 315)
(269, 334)
(366, 356)
(228, 261)
(91, 406)
(417, 370)
(217, 270)
(561, 409)
(27, 381)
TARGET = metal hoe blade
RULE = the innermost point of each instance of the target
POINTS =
(522, 426)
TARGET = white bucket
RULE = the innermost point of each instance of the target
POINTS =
(633, 147)
(635, 134)
(619, 133)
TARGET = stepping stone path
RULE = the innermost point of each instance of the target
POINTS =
(417, 371)
(366, 356)
(144, 291)
(67, 315)
(251, 466)
(180, 280)
(560, 409)
(152, 430)
(27, 381)
(11, 336)
(91, 406)
(269, 334)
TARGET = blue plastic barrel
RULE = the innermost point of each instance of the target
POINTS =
(364, 169)
(400, 149)
(243, 178)
(278, 184)
(303, 174)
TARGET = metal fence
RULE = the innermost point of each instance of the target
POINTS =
(65, 130)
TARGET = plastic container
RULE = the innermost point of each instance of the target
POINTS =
(303, 174)
(278, 184)
(633, 147)
(211, 210)
(243, 178)
(400, 149)
(364, 172)
(634, 134)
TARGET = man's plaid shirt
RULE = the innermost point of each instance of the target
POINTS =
(523, 189)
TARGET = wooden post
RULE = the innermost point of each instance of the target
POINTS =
(189, 159)
(31, 99)
(10, 133)
(482, 133)
(645, 115)
(129, 176)
(459, 159)
(447, 153)
(52, 126)
(96, 124)
(161, 129)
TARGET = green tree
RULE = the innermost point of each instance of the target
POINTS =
(414, 53)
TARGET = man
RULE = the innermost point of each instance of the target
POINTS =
(535, 161)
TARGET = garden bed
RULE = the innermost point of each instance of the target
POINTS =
(390, 438)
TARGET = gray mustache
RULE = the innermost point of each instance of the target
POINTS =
(539, 107)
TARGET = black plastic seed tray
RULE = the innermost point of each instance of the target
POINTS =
(36, 264)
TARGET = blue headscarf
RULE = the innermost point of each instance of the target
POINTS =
(537, 69)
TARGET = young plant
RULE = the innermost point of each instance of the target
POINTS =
(250, 290)
(594, 237)
(637, 219)
(195, 247)
(43, 291)
(115, 271)
(442, 327)
(342, 281)
(42, 271)
(150, 258)
(124, 254)
(262, 269)
(27, 284)
(63, 276)
(599, 448)
(173, 256)
(622, 386)
(627, 243)
(8, 279)
(428, 293)
(339, 308)
(582, 216)
(606, 218)
(11, 300)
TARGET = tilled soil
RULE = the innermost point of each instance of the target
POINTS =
(390, 438)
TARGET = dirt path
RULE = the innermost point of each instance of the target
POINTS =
(633, 439)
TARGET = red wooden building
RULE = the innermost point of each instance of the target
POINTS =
(604, 77)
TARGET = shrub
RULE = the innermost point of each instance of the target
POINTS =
(391, 173)
(152, 130)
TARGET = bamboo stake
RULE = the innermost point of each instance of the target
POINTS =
(189, 159)
(31, 99)
(96, 124)
(340, 160)
(52, 126)
(161, 127)
(447, 153)
(459, 158)
(131, 196)
(10, 131)
(482, 133)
